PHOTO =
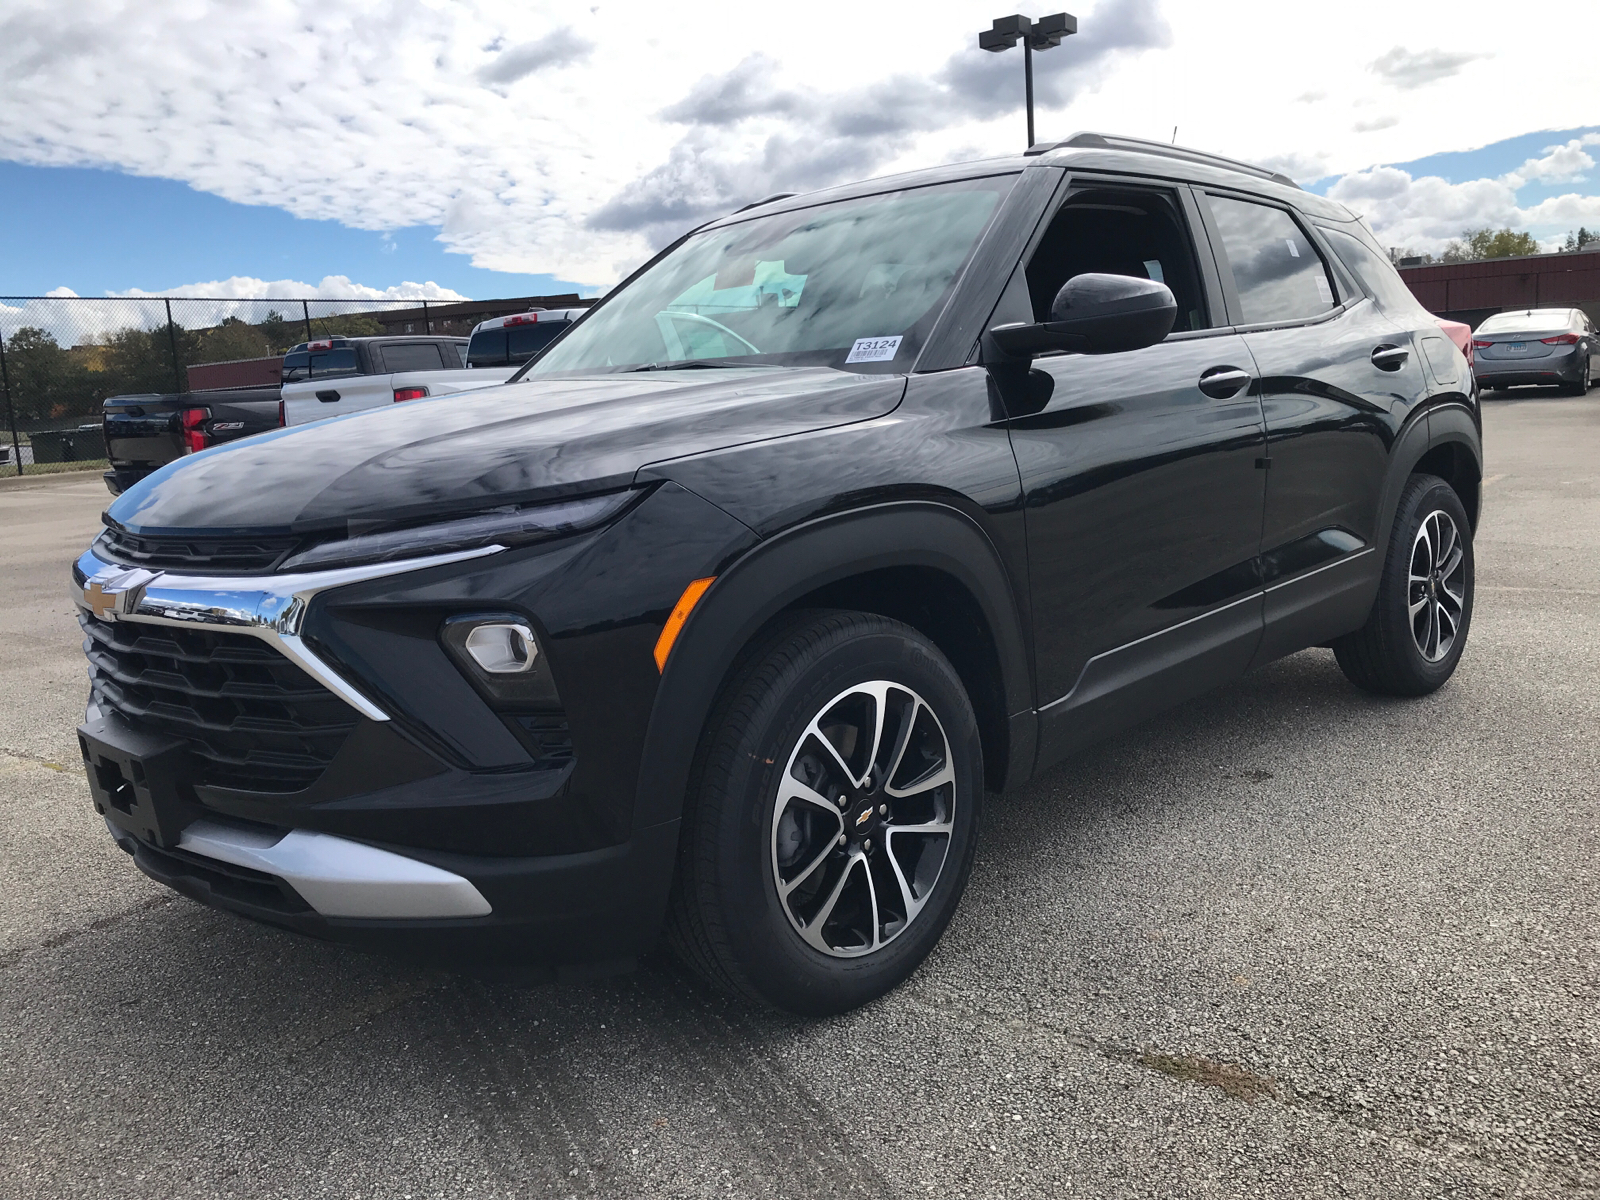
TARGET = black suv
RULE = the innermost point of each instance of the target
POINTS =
(723, 616)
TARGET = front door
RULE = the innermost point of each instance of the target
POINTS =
(1142, 480)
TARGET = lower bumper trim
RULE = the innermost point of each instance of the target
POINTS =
(338, 877)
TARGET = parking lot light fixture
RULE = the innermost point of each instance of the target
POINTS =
(1043, 34)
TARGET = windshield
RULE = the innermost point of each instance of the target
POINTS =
(1525, 322)
(854, 284)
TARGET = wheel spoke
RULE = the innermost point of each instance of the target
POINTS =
(794, 789)
(815, 731)
(784, 889)
(872, 896)
(812, 929)
(1442, 618)
(1452, 562)
(927, 827)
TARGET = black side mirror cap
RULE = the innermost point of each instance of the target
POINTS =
(1095, 314)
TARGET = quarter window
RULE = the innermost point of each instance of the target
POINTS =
(1379, 279)
(1277, 272)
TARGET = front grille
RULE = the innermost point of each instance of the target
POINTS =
(201, 555)
(253, 720)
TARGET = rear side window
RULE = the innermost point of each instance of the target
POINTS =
(422, 356)
(1379, 279)
(461, 352)
(1277, 272)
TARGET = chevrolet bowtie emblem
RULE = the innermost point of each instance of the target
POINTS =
(108, 595)
(864, 817)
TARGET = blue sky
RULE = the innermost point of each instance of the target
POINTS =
(97, 231)
(228, 148)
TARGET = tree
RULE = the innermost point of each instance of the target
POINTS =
(1475, 245)
(47, 384)
(1409, 257)
(281, 332)
(140, 360)
(231, 340)
(345, 325)
(1580, 240)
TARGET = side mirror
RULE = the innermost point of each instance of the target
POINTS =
(1095, 314)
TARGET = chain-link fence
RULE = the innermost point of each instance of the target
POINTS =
(61, 356)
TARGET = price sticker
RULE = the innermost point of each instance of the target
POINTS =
(879, 349)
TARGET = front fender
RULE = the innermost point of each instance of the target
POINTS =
(789, 566)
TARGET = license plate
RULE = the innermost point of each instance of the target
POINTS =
(137, 779)
(1516, 347)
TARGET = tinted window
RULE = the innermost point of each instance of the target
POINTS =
(461, 352)
(487, 349)
(527, 340)
(1135, 233)
(1526, 321)
(419, 357)
(855, 283)
(1278, 273)
(1377, 276)
(304, 365)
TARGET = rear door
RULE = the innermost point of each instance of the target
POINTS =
(1338, 378)
(1140, 472)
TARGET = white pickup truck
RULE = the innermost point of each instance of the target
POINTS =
(346, 375)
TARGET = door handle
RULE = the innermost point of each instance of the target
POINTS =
(327, 397)
(1390, 358)
(1221, 382)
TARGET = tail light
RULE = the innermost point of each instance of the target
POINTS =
(411, 393)
(1561, 339)
(324, 344)
(194, 437)
(1480, 344)
(523, 319)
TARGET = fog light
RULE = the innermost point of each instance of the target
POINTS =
(503, 649)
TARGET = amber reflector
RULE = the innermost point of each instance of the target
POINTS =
(680, 614)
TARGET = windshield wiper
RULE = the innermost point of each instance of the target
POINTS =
(691, 364)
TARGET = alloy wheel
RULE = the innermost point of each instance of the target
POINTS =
(1437, 591)
(862, 819)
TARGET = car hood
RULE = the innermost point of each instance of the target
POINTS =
(519, 442)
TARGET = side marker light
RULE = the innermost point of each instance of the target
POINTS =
(680, 614)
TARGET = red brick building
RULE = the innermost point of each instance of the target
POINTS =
(1469, 292)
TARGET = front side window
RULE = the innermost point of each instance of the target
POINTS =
(854, 284)
(1277, 272)
(1118, 232)
(1375, 272)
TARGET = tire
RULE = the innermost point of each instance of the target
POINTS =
(847, 926)
(1398, 652)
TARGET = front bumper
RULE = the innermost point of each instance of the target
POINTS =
(322, 765)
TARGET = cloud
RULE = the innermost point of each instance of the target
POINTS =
(1425, 214)
(1559, 164)
(750, 135)
(557, 49)
(1375, 124)
(1405, 69)
(332, 287)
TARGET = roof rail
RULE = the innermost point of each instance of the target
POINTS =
(766, 200)
(1115, 141)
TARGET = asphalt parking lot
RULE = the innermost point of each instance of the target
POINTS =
(1287, 941)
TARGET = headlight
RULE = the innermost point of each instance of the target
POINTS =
(503, 526)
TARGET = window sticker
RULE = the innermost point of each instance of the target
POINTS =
(878, 349)
(1152, 268)
(1323, 289)
(1294, 250)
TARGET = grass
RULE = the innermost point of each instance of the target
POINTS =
(82, 464)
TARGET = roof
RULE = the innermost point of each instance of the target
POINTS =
(1084, 151)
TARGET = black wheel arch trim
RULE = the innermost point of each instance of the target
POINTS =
(1449, 421)
(788, 566)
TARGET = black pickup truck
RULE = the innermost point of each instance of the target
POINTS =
(145, 432)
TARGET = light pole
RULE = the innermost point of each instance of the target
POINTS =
(1034, 35)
